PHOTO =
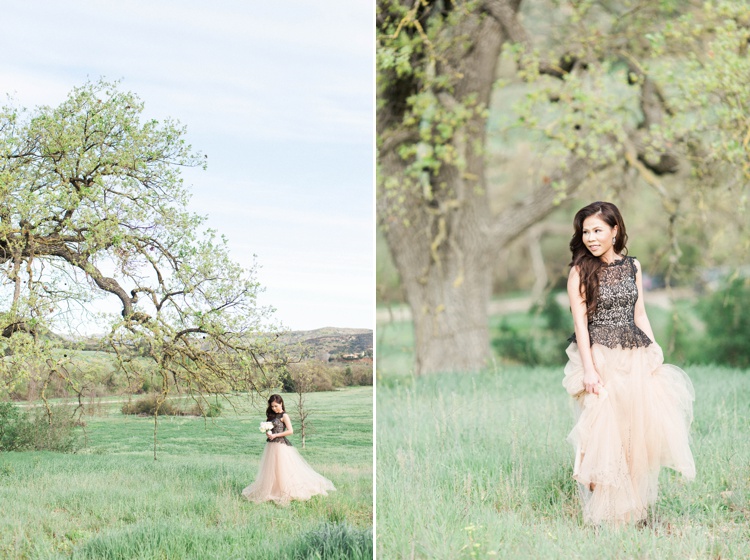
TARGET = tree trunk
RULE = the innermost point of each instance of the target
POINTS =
(450, 322)
(438, 236)
(445, 266)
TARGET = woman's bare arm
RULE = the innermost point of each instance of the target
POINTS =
(591, 378)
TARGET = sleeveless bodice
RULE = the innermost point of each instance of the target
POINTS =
(613, 323)
(278, 427)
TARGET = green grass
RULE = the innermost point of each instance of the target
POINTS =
(478, 467)
(112, 500)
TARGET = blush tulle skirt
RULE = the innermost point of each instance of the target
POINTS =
(284, 475)
(639, 423)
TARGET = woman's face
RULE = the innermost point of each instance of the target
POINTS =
(597, 236)
(276, 407)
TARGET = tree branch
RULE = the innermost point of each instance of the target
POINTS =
(514, 220)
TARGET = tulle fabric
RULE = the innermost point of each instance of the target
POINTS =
(284, 475)
(639, 423)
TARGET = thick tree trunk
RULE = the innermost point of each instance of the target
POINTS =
(438, 235)
(450, 323)
(447, 284)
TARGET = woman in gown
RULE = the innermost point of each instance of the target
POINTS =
(633, 411)
(283, 474)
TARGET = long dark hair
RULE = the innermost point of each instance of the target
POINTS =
(589, 265)
(270, 414)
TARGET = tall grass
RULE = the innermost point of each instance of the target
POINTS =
(477, 466)
(112, 500)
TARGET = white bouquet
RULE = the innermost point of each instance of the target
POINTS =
(266, 427)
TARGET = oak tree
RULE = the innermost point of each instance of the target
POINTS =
(94, 206)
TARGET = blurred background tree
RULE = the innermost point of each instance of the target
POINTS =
(497, 119)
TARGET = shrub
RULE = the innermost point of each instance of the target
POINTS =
(146, 407)
(331, 376)
(145, 386)
(10, 420)
(542, 343)
(713, 330)
(725, 313)
(321, 379)
(534, 347)
(357, 374)
(682, 344)
(333, 541)
(310, 376)
(362, 374)
(209, 410)
(54, 432)
(319, 376)
(287, 382)
(37, 430)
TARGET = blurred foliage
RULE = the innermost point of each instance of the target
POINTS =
(723, 338)
(542, 341)
(727, 317)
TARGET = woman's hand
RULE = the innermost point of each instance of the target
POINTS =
(271, 436)
(591, 381)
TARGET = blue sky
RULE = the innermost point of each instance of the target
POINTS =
(279, 95)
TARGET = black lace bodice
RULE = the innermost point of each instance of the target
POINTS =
(613, 324)
(278, 427)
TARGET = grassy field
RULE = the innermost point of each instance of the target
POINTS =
(112, 500)
(478, 467)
